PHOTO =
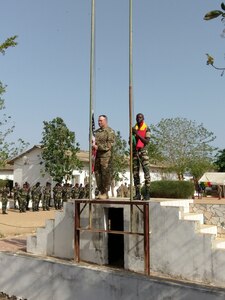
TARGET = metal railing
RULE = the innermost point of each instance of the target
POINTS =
(90, 203)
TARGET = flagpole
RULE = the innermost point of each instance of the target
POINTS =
(92, 55)
(131, 94)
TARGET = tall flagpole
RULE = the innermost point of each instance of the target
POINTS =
(92, 55)
(131, 94)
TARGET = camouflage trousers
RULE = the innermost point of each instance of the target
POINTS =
(103, 174)
(22, 204)
(4, 204)
(45, 202)
(35, 203)
(140, 157)
(58, 203)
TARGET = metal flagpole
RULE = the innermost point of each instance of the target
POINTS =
(131, 107)
(131, 94)
(92, 55)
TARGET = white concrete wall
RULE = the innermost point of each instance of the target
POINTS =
(177, 248)
(30, 168)
(33, 278)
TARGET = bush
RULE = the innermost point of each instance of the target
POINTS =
(171, 189)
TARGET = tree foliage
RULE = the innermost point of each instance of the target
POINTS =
(220, 160)
(120, 157)
(7, 149)
(9, 42)
(59, 150)
(209, 16)
(182, 144)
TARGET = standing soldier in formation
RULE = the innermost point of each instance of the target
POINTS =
(75, 191)
(23, 195)
(141, 138)
(104, 141)
(36, 196)
(57, 192)
(81, 192)
(125, 190)
(5, 190)
(66, 192)
(16, 189)
(28, 195)
(46, 196)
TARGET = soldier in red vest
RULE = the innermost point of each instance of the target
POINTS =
(141, 138)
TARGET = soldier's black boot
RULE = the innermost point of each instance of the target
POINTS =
(137, 195)
(147, 194)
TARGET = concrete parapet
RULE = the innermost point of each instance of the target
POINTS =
(33, 278)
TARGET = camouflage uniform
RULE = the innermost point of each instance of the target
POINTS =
(81, 192)
(46, 196)
(66, 192)
(5, 191)
(15, 190)
(75, 191)
(36, 196)
(104, 139)
(57, 191)
(140, 156)
(23, 194)
(125, 191)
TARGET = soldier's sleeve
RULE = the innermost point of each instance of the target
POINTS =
(111, 137)
(148, 133)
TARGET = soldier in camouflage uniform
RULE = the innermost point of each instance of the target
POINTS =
(5, 190)
(66, 192)
(15, 190)
(57, 192)
(81, 192)
(141, 138)
(75, 191)
(104, 140)
(23, 195)
(46, 196)
(36, 196)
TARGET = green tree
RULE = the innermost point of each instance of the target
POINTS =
(59, 150)
(209, 16)
(220, 160)
(182, 143)
(199, 165)
(120, 158)
(7, 149)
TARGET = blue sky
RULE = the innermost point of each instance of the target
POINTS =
(47, 74)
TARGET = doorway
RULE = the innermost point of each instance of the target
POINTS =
(116, 241)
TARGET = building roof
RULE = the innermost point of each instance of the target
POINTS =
(82, 155)
(11, 162)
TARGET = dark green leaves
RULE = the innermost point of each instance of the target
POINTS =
(10, 42)
(213, 14)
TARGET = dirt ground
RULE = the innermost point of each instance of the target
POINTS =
(16, 226)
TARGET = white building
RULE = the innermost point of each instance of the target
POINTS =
(29, 166)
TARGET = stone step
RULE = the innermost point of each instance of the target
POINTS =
(193, 217)
(218, 243)
(184, 203)
(210, 229)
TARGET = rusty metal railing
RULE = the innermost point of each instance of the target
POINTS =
(78, 229)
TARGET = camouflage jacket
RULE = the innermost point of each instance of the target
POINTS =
(104, 139)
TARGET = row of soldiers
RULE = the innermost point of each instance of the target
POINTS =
(37, 193)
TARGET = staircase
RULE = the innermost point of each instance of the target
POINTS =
(184, 214)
